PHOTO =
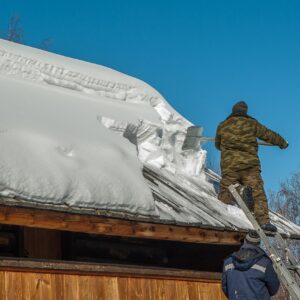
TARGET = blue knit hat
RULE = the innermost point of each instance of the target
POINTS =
(252, 238)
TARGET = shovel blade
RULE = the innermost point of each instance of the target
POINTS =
(192, 138)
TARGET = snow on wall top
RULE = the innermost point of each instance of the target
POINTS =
(75, 135)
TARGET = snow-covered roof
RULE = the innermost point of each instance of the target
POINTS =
(81, 137)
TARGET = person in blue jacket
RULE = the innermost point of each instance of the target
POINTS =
(249, 274)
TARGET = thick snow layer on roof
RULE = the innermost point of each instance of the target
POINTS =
(56, 142)
(83, 137)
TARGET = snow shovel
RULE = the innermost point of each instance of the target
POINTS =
(194, 137)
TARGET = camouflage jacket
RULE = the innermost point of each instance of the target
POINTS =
(236, 137)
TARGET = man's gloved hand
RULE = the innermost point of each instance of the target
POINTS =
(285, 145)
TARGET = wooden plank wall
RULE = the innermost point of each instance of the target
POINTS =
(41, 286)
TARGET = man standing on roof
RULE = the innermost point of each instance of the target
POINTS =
(249, 273)
(236, 138)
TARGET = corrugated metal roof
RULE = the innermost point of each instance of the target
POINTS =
(191, 203)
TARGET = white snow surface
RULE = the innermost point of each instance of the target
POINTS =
(57, 146)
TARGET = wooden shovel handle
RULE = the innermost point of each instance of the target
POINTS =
(259, 143)
(265, 144)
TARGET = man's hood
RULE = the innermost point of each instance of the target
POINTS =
(247, 256)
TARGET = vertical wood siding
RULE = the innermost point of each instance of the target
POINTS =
(41, 286)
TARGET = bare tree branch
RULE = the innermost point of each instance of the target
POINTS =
(287, 203)
(213, 165)
(46, 44)
(15, 34)
(286, 200)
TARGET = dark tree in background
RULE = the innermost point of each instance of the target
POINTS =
(212, 165)
(286, 202)
(46, 44)
(14, 33)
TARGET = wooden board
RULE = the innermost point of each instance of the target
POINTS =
(41, 286)
(114, 227)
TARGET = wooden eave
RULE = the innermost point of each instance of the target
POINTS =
(77, 268)
(47, 219)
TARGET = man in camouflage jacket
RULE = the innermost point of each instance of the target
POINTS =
(236, 138)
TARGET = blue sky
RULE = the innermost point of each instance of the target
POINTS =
(203, 56)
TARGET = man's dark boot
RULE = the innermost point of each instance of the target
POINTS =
(269, 227)
(246, 193)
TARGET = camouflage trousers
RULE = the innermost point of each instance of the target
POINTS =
(248, 177)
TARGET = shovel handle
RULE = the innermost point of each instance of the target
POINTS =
(195, 133)
(265, 144)
(212, 139)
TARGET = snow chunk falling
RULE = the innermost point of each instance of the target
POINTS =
(160, 146)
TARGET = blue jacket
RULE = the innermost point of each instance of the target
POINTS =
(249, 275)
